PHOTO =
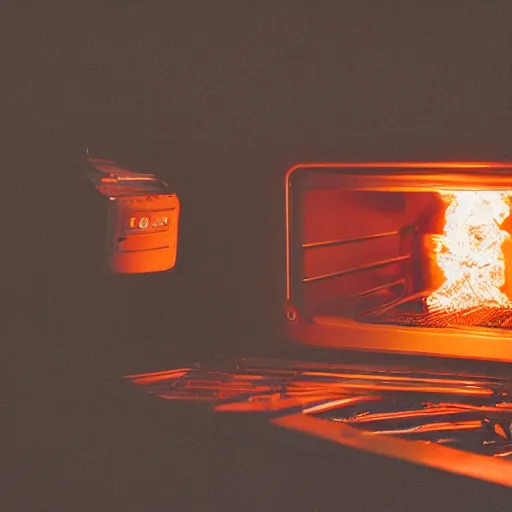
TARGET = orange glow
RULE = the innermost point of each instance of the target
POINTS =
(469, 252)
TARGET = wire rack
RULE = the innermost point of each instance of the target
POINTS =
(413, 311)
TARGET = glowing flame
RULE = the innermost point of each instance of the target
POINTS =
(469, 252)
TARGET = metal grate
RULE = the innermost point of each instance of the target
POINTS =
(412, 311)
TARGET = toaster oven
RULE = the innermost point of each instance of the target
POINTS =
(142, 214)
(411, 258)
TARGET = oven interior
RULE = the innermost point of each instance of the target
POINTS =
(363, 247)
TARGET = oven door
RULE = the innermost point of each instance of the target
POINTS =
(455, 422)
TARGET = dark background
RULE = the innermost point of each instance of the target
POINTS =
(218, 98)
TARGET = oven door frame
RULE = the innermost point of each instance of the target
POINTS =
(334, 333)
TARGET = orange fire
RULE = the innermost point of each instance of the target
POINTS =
(469, 252)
